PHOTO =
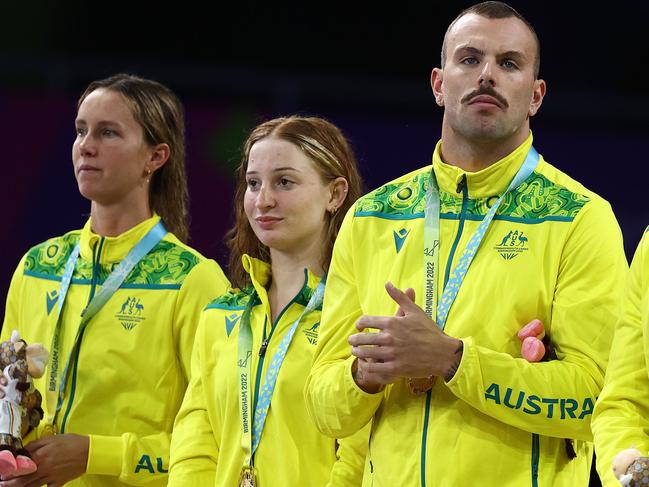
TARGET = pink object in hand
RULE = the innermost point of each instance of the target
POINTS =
(7, 464)
(11, 467)
(532, 349)
(24, 466)
(533, 329)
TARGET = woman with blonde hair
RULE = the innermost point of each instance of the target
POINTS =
(117, 300)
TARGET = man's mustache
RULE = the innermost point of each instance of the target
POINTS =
(486, 90)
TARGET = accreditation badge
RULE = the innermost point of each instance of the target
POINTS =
(247, 478)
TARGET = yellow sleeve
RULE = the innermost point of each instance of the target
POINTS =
(12, 321)
(557, 398)
(205, 283)
(335, 403)
(129, 455)
(194, 451)
(350, 463)
(621, 418)
(12, 315)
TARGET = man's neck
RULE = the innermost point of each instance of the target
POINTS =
(474, 156)
(113, 220)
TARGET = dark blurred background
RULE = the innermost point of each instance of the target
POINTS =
(363, 66)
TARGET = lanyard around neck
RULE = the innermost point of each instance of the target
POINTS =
(112, 283)
(251, 436)
(432, 244)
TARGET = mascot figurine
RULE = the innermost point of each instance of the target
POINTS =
(631, 468)
(20, 402)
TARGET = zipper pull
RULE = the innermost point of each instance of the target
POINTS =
(461, 184)
(264, 346)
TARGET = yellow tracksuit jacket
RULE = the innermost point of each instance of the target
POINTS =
(134, 358)
(621, 418)
(553, 252)
(206, 445)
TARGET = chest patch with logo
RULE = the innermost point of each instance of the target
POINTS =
(312, 333)
(131, 313)
(512, 244)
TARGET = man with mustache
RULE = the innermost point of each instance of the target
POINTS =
(436, 363)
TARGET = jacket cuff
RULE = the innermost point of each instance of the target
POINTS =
(105, 455)
(468, 351)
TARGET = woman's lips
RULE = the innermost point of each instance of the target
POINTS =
(267, 222)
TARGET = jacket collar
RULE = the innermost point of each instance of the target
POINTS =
(114, 249)
(490, 181)
(260, 275)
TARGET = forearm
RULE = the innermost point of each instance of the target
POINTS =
(621, 418)
(194, 452)
(337, 405)
(551, 398)
(348, 469)
(134, 459)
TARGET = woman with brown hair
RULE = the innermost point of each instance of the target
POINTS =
(118, 300)
(243, 419)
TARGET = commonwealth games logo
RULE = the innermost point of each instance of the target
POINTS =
(512, 244)
(130, 313)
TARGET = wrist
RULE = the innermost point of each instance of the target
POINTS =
(362, 382)
(455, 349)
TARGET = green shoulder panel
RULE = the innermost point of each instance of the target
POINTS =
(167, 265)
(235, 299)
(406, 199)
(539, 198)
(535, 200)
(49, 257)
(238, 299)
(304, 297)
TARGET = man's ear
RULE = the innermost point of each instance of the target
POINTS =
(436, 81)
(537, 97)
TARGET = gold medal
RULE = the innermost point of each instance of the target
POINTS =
(247, 478)
(49, 430)
(421, 385)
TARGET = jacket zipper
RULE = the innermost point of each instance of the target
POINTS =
(96, 255)
(424, 435)
(461, 188)
(535, 460)
(266, 341)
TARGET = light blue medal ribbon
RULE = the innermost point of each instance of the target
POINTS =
(431, 234)
(431, 247)
(244, 359)
(112, 284)
(250, 438)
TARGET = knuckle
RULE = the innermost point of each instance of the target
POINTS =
(394, 365)
(387, 340)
